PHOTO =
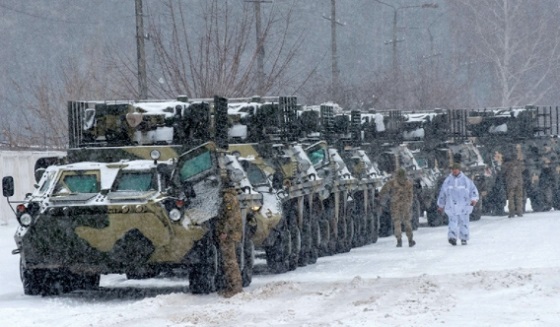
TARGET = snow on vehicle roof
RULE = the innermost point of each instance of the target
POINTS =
(161, 108)
(419, 117)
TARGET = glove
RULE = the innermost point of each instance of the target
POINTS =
(473, 203)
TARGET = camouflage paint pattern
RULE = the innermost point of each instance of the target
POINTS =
(229, 230)
(399, 193)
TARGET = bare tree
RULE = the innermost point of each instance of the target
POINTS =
(205, 48)
(38, 109)
(519, 40)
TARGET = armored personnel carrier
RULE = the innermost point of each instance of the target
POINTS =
(322, 199)
(528, 133)
(349, 213)
(139, 194)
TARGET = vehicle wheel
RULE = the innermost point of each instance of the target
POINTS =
(278, 255)
(477, 212)
(342, 234)
(248, 258)
(204, 275)
(315, 241)
(372, 228)
(89, 282)
(415, 214)
(325, 232)
(32, 279)
(350, 233)
(434, 218)
(359, 237)
(306, 238)
(385, 224)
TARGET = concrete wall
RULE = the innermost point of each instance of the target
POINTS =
(19, 165)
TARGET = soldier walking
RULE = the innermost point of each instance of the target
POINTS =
(513, 175)
(229, 230)
(547, 184)
(399, 191)
(457, 197)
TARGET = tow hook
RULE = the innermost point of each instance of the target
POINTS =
(16, 251)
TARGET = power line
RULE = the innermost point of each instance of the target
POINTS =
(57, 20)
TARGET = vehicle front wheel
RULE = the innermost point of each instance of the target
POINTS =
(203, 274)
(248, 258)
(33, 280)
(278, 254)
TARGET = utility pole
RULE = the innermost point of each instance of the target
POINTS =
(141, 54)
(260, 49)
(335, 72)
(260, 45)
(394, 39)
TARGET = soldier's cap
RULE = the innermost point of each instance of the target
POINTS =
(456, 165)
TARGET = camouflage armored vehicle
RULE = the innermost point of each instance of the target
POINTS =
(438, 138)
(528, 133)
(335, 209)
(348, 216)
(286, 229)
(288, 182)
(123, 204)
(370, 179)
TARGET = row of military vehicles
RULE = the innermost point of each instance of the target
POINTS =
(140, 188)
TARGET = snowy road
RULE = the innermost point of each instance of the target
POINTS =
(508, 275)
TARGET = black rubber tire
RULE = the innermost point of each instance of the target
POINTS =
(477, 212)
(33, 280)
(306, 240)
(385, 224)
(315, 241)
(350, 233)
(89, 282)
(248, 262)
(434, 218)
(204, 276)
(374, 221)
(278, 254)
(415, 214)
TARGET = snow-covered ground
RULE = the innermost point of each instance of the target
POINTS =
(508, 275)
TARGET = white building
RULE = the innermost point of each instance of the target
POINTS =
(20, 165)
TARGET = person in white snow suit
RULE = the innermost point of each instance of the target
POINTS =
(457, 197)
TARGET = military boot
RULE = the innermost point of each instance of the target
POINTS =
(399, 243)
(411, 243)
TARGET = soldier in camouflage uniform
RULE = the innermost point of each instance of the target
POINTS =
(547, 184)
(399, 191)
(513, 175)
(229, 230)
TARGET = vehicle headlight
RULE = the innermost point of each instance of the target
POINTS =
(256, 208)
(175, 214)
(236, 175)
(304, 166)
(155, 154)
(25, 220)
